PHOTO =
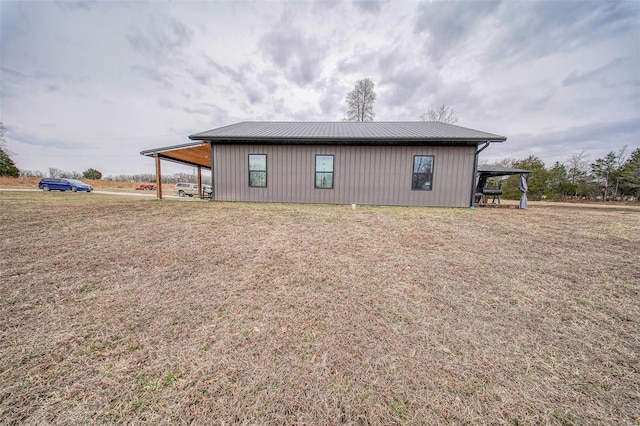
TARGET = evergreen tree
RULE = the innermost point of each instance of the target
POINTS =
(558, 184)
(538, 179)
(7, 167)
(606, 170)
(630, 175)
(92, 174)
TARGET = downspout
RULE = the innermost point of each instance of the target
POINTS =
(475, 172)
(213, 184)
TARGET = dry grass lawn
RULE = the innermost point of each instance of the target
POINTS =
(131, 311)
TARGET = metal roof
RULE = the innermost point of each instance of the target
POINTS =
(345, 132)
(495, 170)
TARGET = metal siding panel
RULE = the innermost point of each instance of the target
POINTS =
(216, 172)
(363, 175)
(390, 165)
(390, 174)
(359, 177)
(399, 175)
(347, 194)
(379, 174)
(451, 176)
(444, 183)
(462, 183)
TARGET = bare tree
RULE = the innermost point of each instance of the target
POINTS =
(3, 143)
(360, 101)
(444, 114)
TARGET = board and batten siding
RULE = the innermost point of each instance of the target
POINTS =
(374, 175)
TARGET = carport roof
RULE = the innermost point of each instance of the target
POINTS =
(398, 133)
(192, 154)
(495, 170)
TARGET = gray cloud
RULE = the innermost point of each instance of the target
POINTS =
(405, 85)
(236, 76)
(298, 57)
(250, 87)
(332, 97)
(601, 74)
(536, 29)
(202, 77)
(372, 6)
(201, 108)
(450, 22)
(154, 74)
(161, 40)
(359, 60)
(268, 79)
(85, 5)
(254, 94)
(37, 141)
(35, 75)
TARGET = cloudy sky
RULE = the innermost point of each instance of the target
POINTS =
(91, 84)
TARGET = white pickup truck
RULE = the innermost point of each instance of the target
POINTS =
(191, 189)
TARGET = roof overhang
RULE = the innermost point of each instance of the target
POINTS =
(341, 141)
(191, 154)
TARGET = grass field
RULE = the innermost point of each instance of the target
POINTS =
(118, 310)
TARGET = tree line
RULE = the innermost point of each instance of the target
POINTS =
(96, 175)
(54, 172)
(616, 176)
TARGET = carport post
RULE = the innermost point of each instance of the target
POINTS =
(200, 188)
(158, 178)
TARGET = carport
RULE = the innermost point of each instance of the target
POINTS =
(195, 154)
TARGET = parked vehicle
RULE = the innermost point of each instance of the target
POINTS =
(55, 184)
(191, 189)
(146, 187)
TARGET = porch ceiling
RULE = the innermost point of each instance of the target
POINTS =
(189, 154)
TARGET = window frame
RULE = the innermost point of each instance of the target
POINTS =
(414, 173)
(332, 172)
(266, 167)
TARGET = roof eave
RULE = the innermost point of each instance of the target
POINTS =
(152, 152)
(308, 140)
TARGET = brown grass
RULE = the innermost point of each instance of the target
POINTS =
(130, 311)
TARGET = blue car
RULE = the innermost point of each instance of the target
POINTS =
(54, 184)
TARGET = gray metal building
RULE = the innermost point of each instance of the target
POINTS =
(380, 163)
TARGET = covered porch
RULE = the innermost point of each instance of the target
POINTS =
(194, 154)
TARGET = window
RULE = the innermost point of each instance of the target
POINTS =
(258, 170)
(324, 172)
(422, 172)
